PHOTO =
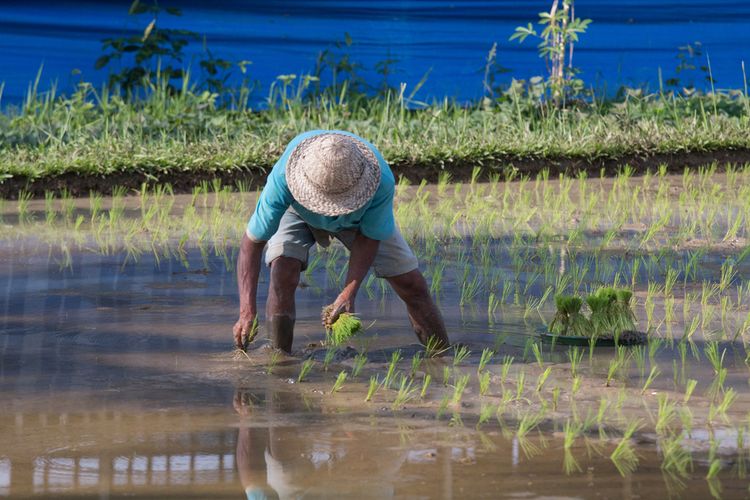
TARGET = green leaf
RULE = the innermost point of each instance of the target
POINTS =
(148, 29)
(174, 11)
(137, 8)
(102, 61)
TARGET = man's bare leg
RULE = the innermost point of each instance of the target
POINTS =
(424, 314)
(280, 307)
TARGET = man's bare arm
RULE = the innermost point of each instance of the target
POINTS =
(248, 270)
(361, 258)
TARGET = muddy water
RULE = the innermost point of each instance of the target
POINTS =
(116, 378)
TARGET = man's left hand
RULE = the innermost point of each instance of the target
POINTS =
(343, 303)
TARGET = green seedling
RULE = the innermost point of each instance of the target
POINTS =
(304, 370)
(372, 388)
(651, 377)
(359, 362)
(485, 413)
(484, 382)
(712, 354)
(434, 347)
(537, 350)
(555, 398)
(391, 373)
(568, 320)
(543, 378)
(575, 385)
(344, 328)
(330, 354)
(273, 360)
(443, 406)
(507, 363)
(339, 381)
(460, 354)
(575, 355)
(459, 388)
(721, 409)
(405, 393)
(484, 359)
(446, 375)
(520, 382)
(666, 413)
(689, 388)
(425, 384)
(624, 457)
(416, 362)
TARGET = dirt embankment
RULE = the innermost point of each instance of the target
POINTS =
(459, 168)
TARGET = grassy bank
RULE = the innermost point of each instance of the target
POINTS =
(93, 138)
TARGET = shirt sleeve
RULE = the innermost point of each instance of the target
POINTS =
(378, 222)
(272, 203)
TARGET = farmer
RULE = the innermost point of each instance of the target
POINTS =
(328, 184)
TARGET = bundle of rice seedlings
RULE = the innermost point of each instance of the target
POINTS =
(344, 328)
(600, 319)
(568, 319)
(624, 313)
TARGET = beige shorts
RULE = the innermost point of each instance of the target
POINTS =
(295, 237)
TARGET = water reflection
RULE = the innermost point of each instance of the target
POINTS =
(287, 460)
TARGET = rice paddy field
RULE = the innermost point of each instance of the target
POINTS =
(119, 378)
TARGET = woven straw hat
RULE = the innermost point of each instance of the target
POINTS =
(332, 174)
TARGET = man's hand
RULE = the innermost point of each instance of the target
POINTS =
(343, 303)
(245, 331)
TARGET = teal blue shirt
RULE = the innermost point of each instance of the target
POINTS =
(374, 220)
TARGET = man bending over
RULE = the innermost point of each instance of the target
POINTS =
(328, 184)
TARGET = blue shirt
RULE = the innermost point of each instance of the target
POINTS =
(374, 220)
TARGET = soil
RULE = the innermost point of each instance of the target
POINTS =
(460, 168)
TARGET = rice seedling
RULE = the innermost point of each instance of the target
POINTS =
(575, 355)
(273, 361)
(485, 412)
(543, 378)
(676, 459)
(666, 413)
(425, 385)
(447, 371)
(372, 388)
(520, 382)
(721, 409)
(345, 327)
(359, 362)
(444, 402)
(434, 348)
(304, 370)
(571, 431)
(459, 388)
(555, 398)
(391, 372)
(537, 350)
(416, 362)
(651, 377)
(575, 385)
(339, 381)
(507, 363)
(460, 354)
(689, 388)
(329, 355)
(614, 367)
(568, 320)
(484, 359)
(405, 393)
(623, 456)
(484, 382)
(711, 352)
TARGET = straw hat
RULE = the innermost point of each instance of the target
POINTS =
(332, 174)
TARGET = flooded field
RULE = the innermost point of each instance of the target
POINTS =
(118, 376)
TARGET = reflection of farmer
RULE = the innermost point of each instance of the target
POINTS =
(285, 460)
(328, 184)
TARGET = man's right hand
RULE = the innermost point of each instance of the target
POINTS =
(245, 331)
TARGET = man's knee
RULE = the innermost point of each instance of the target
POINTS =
(411, 286)
(285, 273)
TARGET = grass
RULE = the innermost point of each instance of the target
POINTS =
(94, 132)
